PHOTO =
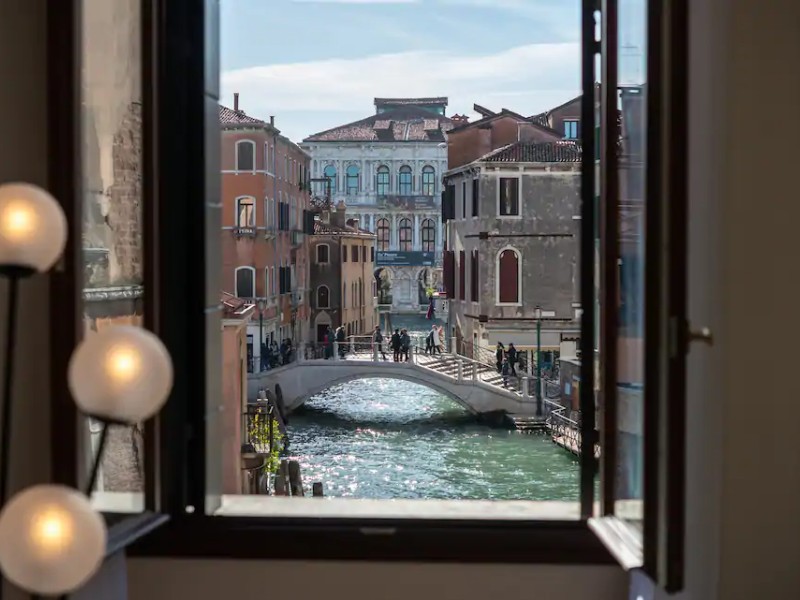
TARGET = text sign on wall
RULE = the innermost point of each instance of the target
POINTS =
(404, 259)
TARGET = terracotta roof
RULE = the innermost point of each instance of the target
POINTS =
(233, 306)
(321, 228)
(229, 116)
(401, 124)
(540, 119)
(504, 113)
(562, 151)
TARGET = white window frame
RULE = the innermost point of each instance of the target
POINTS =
(236, 281)
(236, 210)
(497, 277)
(316, 254)
(236, 156)
(501, 176)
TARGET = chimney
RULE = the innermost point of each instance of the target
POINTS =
(236, 101)
(337, 215)
(272, 120)
(459, 119)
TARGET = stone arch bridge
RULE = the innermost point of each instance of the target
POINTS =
(474, 385)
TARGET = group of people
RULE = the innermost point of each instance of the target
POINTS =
(434, 342)
(340, 337)
(507, 360)
(399, 342)
(274, 355)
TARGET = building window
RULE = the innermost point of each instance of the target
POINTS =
(344, 295)
(245, 155)
(323, 254)
(571, 129)
(323, 297)
(354, 253)
(344, 253)
(406, 181)
(509, 197)
(266, 282)
(464, 199)
(509, 276)
(383, 235)
(462, 275)
(352, 180)
(330, 173)
(382, 181)
(428, 235)
(476, 198)
(246, 212)
(428, 181)
(473, 277)
(406, 235)
(245, 282)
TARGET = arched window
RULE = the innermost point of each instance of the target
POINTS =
(323, 297)
(509, 276)
(406, 235)
(382, 181)
(323, 254)
(428, 181)
(428, 235)
(330, 173)
(245, 155)
(383, 235)
(245, 282)
(352, 180)
(405, 182)
(246, 212)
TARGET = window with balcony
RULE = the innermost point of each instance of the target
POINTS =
(245, 155)
(330, 174)
(405, 181)
(428, 231)
(245, 282)
(323, 254)
(508, 197)
(428, 181)
(384, 235)
(353, 173)
(406, 234)
(508, 270)
(382, 181)
(245, 212)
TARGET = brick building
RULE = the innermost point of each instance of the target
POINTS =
(265, 199)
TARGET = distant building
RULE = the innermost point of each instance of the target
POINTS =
(265, 198)
(342, 274)
(388, 169)
(513, 245)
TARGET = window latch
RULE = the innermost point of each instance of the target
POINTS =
(703, 335)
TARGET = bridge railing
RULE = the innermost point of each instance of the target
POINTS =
(362, 344)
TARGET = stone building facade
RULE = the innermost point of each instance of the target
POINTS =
(387, 168)
(342, 274)
(513, 245)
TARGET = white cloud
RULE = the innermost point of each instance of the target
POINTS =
(526, 78)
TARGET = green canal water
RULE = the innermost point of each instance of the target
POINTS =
(386, 438)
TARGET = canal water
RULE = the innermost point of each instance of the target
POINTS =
(387, 438)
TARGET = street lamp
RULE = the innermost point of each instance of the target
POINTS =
(261, 305)
(538, 313)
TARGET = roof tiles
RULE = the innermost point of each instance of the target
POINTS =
(562, 151)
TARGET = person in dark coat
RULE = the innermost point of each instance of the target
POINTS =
(405, 344)
(512, 359)
(499, 356)
(395, 344)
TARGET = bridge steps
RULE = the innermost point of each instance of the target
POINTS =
(528, 423)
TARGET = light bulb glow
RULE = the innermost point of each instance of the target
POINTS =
(51, 540)
(51, 531)
(33, 228)
(122, 364)
(18, 221)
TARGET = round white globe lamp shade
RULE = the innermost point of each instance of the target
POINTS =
(51, 540)
(121, 374)
(33, 229)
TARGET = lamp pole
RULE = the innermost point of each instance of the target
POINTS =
(260, 335)
(538, 361)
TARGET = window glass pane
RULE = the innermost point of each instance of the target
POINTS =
(113, 293)
(630, 375)
(382, 183)
(509, 196)
(245, 156)
(404, 188)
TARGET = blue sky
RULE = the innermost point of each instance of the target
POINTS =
(315, 64)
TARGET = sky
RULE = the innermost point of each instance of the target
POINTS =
(316, 64)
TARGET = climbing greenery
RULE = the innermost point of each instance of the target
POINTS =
(259, 425)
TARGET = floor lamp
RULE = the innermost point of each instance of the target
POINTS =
(51, 539)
